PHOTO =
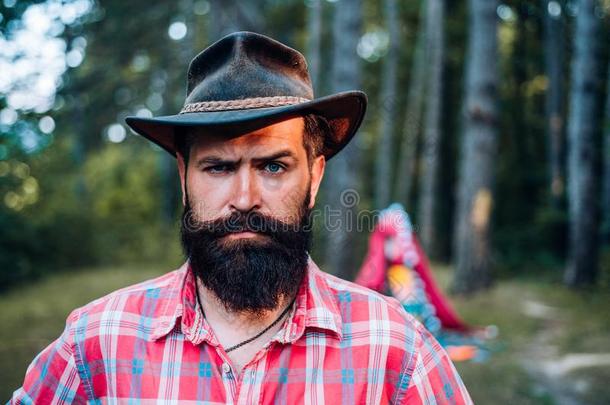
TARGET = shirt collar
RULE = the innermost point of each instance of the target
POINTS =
(315, 307)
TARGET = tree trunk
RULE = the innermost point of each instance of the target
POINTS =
(518, 98)
(606, 178)
(475, 197)
(343, 169)
(412, 123)
(554, 42)
(432, 134)
(314, 30)
(383, 178)
(583, 124)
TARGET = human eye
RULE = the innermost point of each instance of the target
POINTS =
(274, 167)
(217, 169)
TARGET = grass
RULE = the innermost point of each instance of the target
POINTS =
(32, 316)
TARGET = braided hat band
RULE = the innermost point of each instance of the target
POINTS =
(246, 103)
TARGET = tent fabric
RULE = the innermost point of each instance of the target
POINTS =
(396, 265)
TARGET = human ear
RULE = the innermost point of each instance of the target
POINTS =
(317, 172)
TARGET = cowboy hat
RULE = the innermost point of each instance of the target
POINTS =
(246, 81)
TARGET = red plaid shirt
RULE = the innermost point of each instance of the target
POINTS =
(149, 343)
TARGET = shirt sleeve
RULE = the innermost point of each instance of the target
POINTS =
(434, 379)
(53, 376)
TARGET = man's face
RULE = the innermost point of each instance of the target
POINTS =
(247, 201)
(265, 171)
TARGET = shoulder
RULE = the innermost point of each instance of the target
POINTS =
(378, 328)
(378, 331)
(369, 317)
(369, 304)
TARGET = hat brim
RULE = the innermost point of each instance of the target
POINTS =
(344, 112)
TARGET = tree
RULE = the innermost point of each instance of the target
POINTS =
(583, 126)
(343, 169)
(412, 121)
(606, 158)
(389, 102)
(479, 143)
(554, 40)
(314, 30)
(435, 44)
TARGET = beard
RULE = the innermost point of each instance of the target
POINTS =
(248, 274)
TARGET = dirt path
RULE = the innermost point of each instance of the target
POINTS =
(541, 358)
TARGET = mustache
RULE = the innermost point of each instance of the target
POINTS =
(251, 221)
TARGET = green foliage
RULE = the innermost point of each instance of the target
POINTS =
(109, 213)
(83, 200)
(528, 242)
(17, 249)
(124, 193)
(19, 239)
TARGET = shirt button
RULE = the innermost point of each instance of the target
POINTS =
(226, 368)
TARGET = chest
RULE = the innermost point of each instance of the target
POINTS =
(311, 370)
(240, 357)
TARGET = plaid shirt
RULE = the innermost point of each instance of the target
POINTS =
(149, 343)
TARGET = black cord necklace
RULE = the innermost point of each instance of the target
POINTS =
(237, 346)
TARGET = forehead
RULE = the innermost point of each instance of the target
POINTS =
(287, 134)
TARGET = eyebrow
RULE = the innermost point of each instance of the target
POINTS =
(277, 155)
(217, 160)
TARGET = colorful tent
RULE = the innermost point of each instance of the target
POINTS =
(396, 265)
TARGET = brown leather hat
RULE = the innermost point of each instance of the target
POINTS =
(246, 81)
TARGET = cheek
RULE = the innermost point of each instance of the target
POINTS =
(207, 198)
(284, 197)
(273, 186)
(291, 182)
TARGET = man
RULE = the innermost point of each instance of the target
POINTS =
(249, 318)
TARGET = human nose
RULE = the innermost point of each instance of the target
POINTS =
(246, 192)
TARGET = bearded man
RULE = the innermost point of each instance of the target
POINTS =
(249, 318)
